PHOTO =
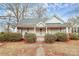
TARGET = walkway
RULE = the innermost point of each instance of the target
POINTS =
(40, 51)
(40, 38)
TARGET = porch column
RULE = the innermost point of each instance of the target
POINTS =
(46, 30)
(16, 29)
(21, 33)
(66, 29)
(76, 29)
(35, 30)
(60, 29)
(70, 30)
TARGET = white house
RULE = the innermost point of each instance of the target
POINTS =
(42, 26)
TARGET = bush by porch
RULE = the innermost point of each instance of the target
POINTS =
(49, 38)
(30, 37)
(5, 36)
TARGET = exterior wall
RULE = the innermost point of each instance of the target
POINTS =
(26, 31)
(30, 30)
(63, 30)
(72, 29)
(41, 33)
(53, 31)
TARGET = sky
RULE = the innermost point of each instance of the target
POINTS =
(63, 10)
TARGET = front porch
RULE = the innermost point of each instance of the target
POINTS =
(41, 31)
(72, 29)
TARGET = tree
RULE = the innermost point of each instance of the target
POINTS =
(17, 9)
(8, 23)
(73, 21)
(38, 11)
(8, 20)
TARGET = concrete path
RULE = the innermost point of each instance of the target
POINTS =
(40, 51)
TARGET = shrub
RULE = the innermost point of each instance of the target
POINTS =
(49, 38)
(74, 36)
(30, 37)
(3, 36)
(61, 37)
(10, 36)
(14, 36)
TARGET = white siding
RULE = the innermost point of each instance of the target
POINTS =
(53, 31)
(38, 33)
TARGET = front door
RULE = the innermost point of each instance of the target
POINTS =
(40, 32)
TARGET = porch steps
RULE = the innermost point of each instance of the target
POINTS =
(40, 38)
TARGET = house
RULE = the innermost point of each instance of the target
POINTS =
(42, 26)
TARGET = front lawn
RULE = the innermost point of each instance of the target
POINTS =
(17, 49)
(70, 48)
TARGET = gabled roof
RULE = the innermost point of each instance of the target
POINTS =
(41, 24)
(31, 22)
(55, 19)
(55, 25)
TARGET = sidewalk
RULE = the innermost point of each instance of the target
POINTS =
(40, 51)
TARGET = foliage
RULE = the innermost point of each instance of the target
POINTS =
(61, 36)
(74, 36)
(4, 36)
(49, 38)
(30, 37)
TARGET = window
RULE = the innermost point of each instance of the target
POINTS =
(73, 29)
(40, 30)
(27, 29)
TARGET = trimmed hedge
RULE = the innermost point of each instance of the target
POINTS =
(49, 38)
(4, 36)
(30, 37)
(61, 36)
(74, 36)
